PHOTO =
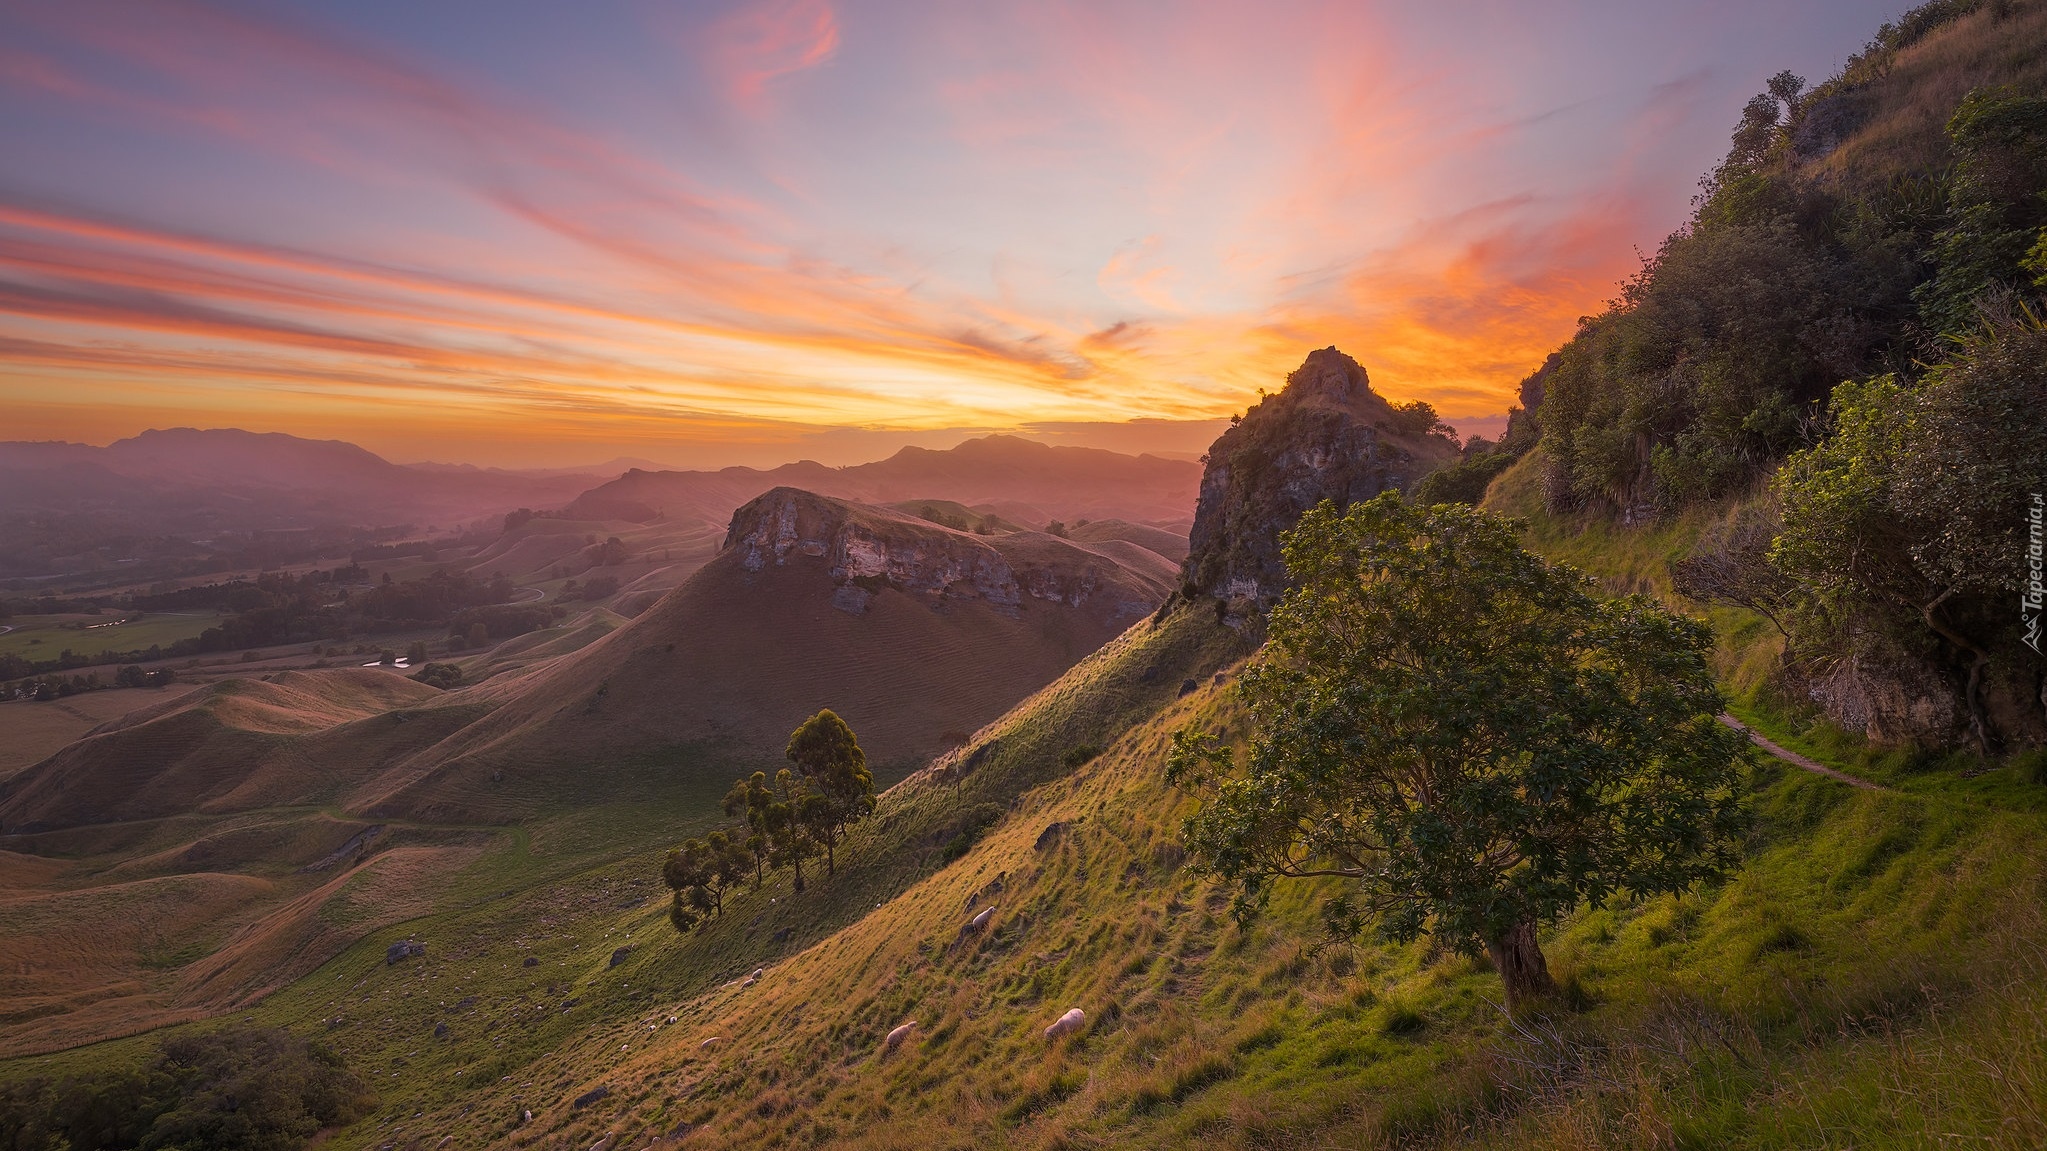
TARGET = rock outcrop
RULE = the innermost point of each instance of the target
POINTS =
(865, 550)
(1326, 436)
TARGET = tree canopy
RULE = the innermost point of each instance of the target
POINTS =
(841, 789)
(1469, 736)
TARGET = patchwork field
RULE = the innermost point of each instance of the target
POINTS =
(40, 637)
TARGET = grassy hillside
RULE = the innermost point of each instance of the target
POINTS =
(1871, 977)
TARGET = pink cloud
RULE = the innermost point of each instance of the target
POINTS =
(766, 40)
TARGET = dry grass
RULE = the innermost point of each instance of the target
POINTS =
(1905, 124)
(31, 731)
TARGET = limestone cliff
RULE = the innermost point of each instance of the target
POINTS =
(1326, 435)
(866, 549)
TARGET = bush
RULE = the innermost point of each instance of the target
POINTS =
(259, 1089)
(440, 675)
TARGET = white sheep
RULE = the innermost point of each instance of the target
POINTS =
(1066, 1024)
(895, 1038)
(713, 1041)
(980, 921)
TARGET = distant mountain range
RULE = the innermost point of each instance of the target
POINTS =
(171, 501)
(1019, 479)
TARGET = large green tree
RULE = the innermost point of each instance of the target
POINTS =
(842, 789)
(1469, 736)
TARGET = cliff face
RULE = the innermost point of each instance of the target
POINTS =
(865, 550)
(1326, 435)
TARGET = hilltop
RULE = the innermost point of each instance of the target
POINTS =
(1325, 435)
(914, 632)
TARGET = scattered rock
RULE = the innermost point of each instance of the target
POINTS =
(619, 956)
(782, 936)
(531, 961)
(403, 950)
(681, 1129)
(589, 1097)
(1188, 687)
(1052, 834)
(440, 1031)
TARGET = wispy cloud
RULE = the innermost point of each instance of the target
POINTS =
(1010, 216)
(766, 40)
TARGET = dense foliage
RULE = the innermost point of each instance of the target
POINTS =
(1468, 734)
(1796, 272)
(1899, 546)
(251, 1089)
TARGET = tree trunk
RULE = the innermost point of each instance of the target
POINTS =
(1523, 971)
(799, 874)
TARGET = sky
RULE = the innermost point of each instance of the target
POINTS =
(515, 233)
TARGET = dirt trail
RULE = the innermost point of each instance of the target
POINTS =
(1797, 760)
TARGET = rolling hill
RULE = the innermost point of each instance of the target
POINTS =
(916, 633)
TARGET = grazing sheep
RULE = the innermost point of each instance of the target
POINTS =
(1066, 1024)
(759, 971)
(713, 1041)
(981, 920)
(895, 1038)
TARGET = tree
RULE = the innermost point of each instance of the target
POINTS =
(1905, 532)
(751, 799)
(700, 872)
(1468, 736)
(789, 823)
(775, 812)
(824, 750)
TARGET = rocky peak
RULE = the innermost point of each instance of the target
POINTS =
(1326, 435)
(867, 549)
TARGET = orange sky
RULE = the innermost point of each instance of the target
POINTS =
(745, 233)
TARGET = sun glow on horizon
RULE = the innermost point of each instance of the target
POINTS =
(701, 231)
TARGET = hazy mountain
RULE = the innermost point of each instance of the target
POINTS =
(1013, 473)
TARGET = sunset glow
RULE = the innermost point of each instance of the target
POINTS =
(747, 232)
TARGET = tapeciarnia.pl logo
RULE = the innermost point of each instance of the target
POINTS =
(2034, 594)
